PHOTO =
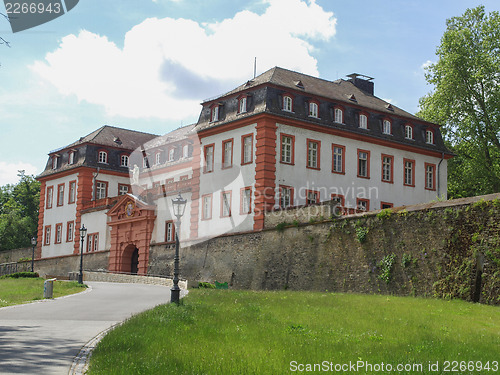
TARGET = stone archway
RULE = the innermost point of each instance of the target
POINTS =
(132, 222)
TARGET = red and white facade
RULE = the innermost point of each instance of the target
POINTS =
(281, 140)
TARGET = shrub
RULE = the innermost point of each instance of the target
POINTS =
(384, 214)
(361, 233)
(206, 285)
(406, 260)
(18, 275)
(386, 267)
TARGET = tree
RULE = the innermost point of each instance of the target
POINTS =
(466, 100)
(19, 212)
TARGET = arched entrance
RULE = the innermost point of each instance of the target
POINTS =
(132, 223)
(134, 266)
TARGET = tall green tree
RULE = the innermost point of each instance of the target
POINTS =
(19, 212)
(466, 100)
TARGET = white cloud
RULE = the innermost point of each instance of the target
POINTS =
(168, 65)
(426, 64)
(9, 171)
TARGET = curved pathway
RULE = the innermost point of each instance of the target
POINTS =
(44, 337)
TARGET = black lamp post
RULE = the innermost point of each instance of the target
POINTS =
(179, 206)
(83, 233)
(33, 243)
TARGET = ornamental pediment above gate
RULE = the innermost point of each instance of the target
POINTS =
(130, 207)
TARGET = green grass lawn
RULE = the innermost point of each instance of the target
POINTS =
(22, 290)
(244, 332)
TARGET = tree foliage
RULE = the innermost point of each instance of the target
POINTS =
(19, 212)
(466, 101)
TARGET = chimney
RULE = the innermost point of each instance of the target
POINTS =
(362, 82)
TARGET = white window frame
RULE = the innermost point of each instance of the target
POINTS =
(157, 158)
(209, 158)
(206, 213)
(312, 154)
(226, 203)
(285, 196)
(247, 149)
(338, 155)
(214, 114)
(386, 127)
(429, 137)
(70, 234)
(124, 160)
(362, 164)
(387, 168)
(185, 151)
(286, 149)
(339, 115)
(122, 189)
(363, 121)
(100, 190)
(242, 105)
(287, 103)
(169, 231)
(71, 157)
(103, 157)
(313, 109)
(246, 201)
(228, 154)
(408, 132)
(429, 177)
(408, 177)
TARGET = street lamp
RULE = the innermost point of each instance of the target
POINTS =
(179, 206)
(83, 233)
(33, 243)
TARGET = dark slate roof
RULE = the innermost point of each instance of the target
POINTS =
(265, 94)
(115, 137)
(116, 140)
(172, 137)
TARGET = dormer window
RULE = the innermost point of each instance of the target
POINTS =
(242, 105)
(185, 151)
(71, 157)
(103, 157)
(124, 161)
(55, 161)
(386, 127)
(313, 110)
(363, 121)
(338, 115)
(287, 103)
(214, 114)
(429, 137)
(408, 131)
(157, 158)
(171, 153)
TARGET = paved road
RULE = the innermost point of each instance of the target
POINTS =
(44, 337)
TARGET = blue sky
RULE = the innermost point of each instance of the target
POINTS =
(147, 65)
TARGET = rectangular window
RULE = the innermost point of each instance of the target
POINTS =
(55, 162)
(339, 198)
(429, 137)
(92, 242)
(157, 158)
(386, 127)
(247, 149)
(363, 122)
(50, 195)
(103, 157)
(209, 158)
(71, 157)
(243, 105)
(363, 204)
(227, 153)
(387, 168)
(409, 172)
(207, 207)
(339, 115)
(145, 162)
(384, 205)
(169, 231)
(246, 200)
(338, 159)
(287, 104)
(185, 151)
(46, 240)
(225, 210)
(123, 189)
(430, 176)
(363, 163)
(171, 154)
(286, 196)
(312, 197)
(60, 195)
(287, 148)
(72, 192)
(70, 231)
(313, 110)
(313, 154)
(214, 114)
(408, 132)
(124, 161)
(58, 238)
(101, 190)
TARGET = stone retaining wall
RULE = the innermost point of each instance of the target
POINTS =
(131, 279)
